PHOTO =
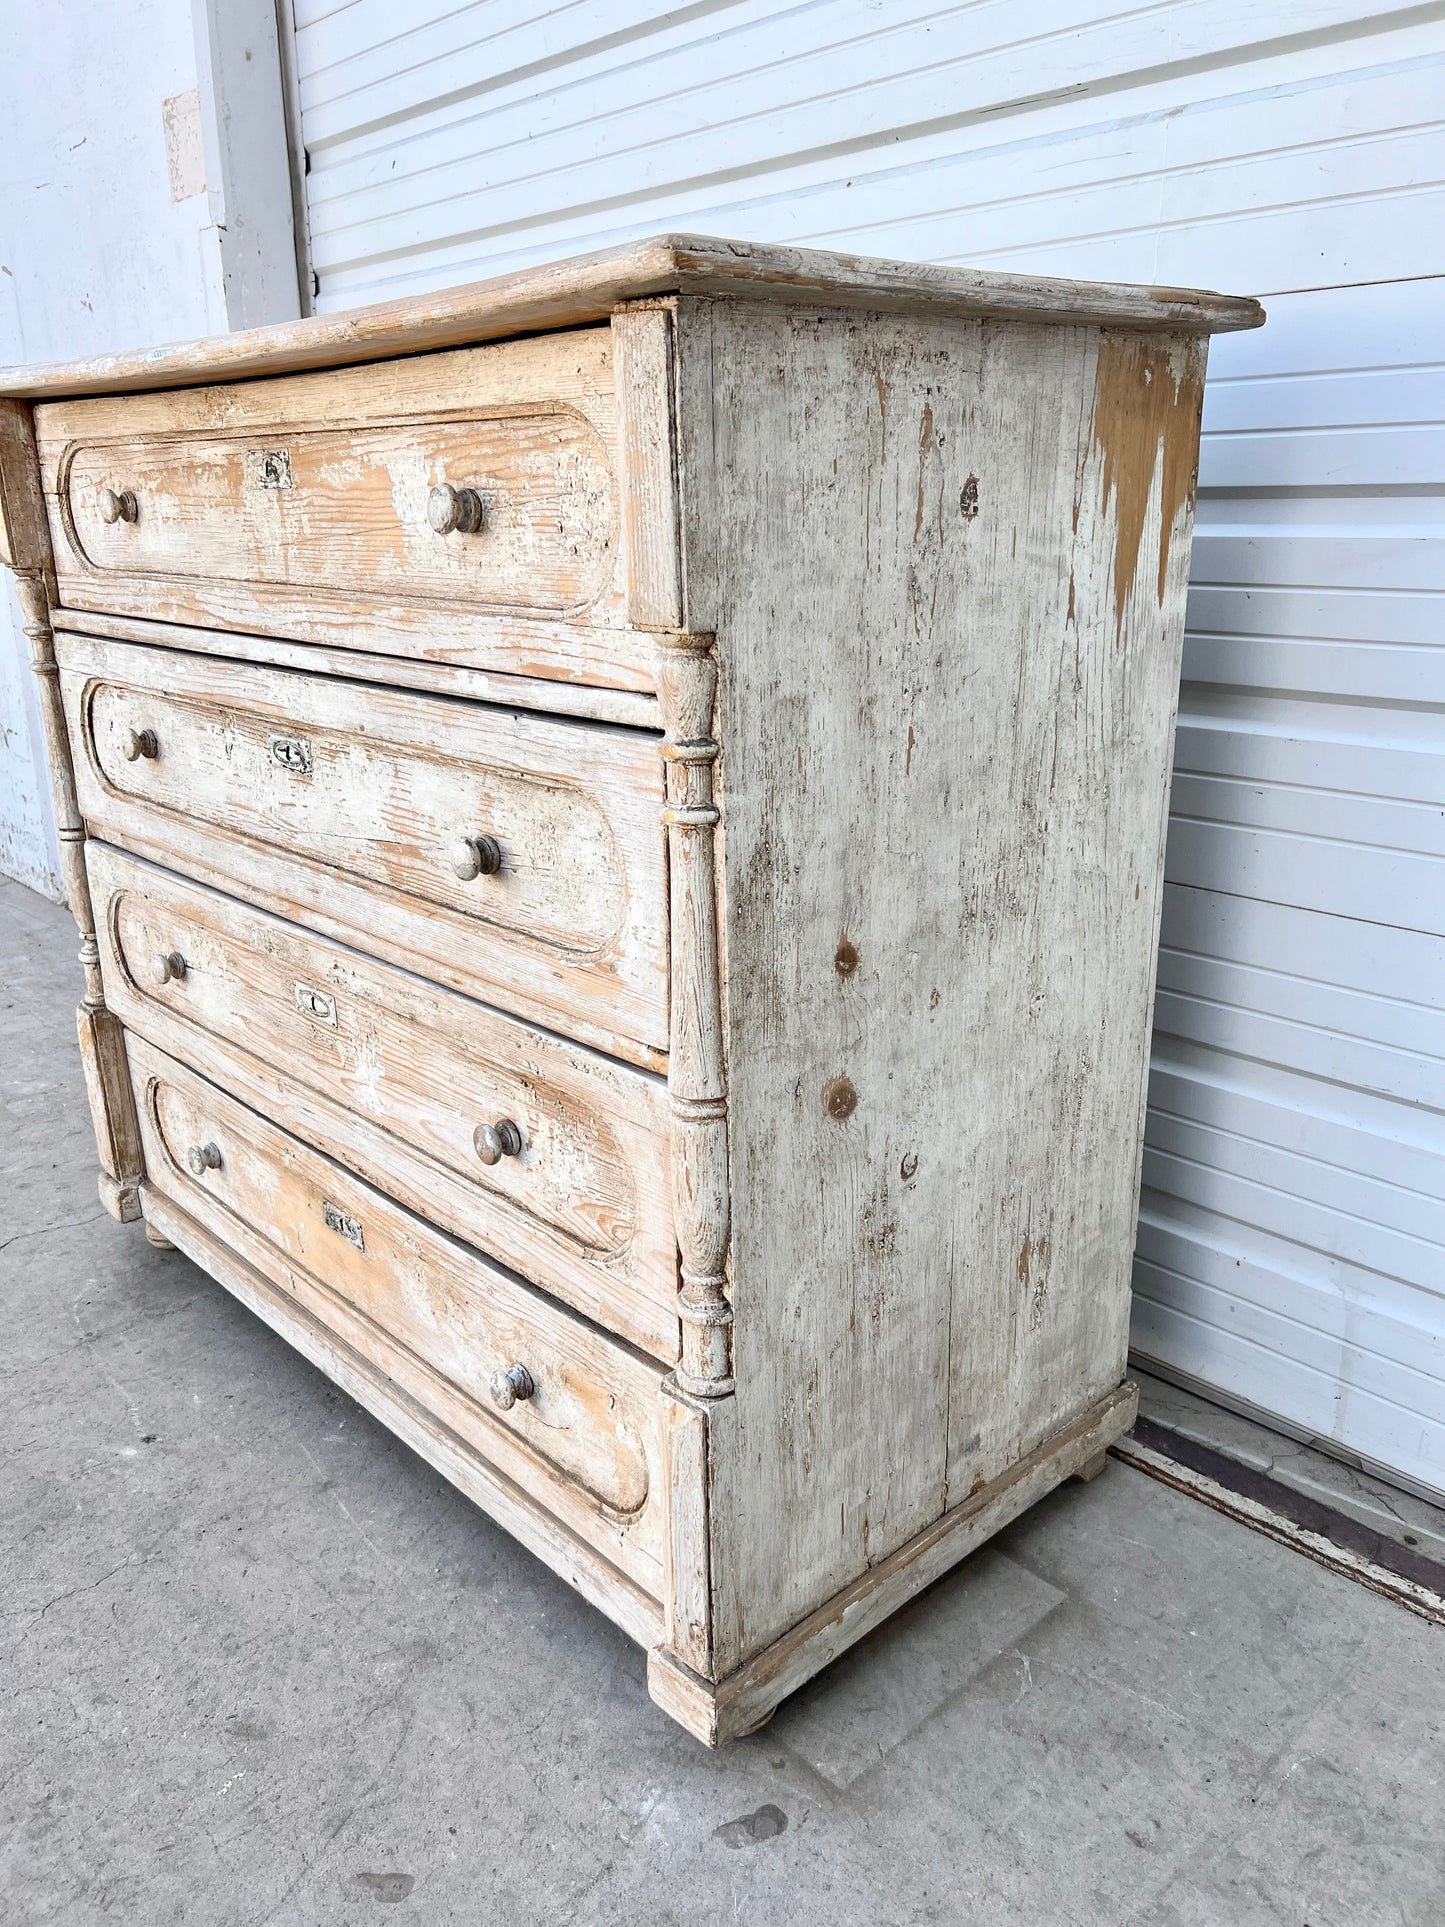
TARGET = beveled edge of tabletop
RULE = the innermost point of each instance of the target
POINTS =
(589, 287)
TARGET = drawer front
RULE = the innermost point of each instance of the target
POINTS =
(300, 507)
(440, 1321)
(396, 1078)
(349, 808)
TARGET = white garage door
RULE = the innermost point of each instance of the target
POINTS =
(1292, 1246)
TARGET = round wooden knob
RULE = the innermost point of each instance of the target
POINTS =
(168, 964)
(475, 856)
(142, 743)
(493, 1142)
(203, 1158)
(508, 1386)
(122, 507)
(451, 509)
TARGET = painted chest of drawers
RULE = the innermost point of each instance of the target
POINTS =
(616, 818)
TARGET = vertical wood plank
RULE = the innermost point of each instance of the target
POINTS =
(687, 1579)
(642, 372)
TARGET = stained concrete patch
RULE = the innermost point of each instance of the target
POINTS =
(848, 1722)
(751, 1829)
(386, 1886)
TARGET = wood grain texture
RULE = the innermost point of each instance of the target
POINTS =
(717, 1712)
(426, 1431)
(25, 541)
(883, 570)
(634, 708)
(24, 532)
(946, 693)
(1063, 875)
(687, 1593)
(435, 1317)
(643, 371)
(571, 931)
(392, 1076)
(298, 507)
(696, 1071)
(587, 288)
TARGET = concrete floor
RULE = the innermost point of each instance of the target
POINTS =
(262, 1666)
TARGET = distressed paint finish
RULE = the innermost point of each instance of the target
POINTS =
(846, 601)
(696, 1075)
(440, 1319)
(392, 1075)
(686, 681)
(948, 678)
(571, 930)
(25, 549)
(298, 507)
(590, 287)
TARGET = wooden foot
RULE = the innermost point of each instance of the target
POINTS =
(158, 1239)
(1092, 1468)
(717, 1711)
(120, 1196)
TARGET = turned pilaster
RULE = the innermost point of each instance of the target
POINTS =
(697, 1084)
(25, 549)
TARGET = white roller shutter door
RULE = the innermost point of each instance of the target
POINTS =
(1292, 1243)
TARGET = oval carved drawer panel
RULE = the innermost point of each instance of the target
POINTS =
(344, 510)
(517, 858)
(302, 507)
(582, 1435)
(397, 1078)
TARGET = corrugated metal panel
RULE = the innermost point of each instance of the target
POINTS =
(1292, 1246)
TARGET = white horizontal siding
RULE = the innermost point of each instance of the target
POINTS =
(1254, 142)
(1292, 1238)
(1292, 1246)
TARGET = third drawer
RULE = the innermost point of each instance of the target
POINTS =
(548, 1155)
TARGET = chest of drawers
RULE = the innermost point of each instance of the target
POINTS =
(616, 818)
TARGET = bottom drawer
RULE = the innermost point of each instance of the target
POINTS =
(578, 1427)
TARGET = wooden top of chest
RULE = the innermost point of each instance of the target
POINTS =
(590, 287)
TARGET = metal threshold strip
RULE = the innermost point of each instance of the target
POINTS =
(1292, 1518)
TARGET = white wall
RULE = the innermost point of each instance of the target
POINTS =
(94, 254)
(109, 239)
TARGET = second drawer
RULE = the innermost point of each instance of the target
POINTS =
(512, 856)
(548, 1155)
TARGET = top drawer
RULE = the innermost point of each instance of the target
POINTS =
(300, 507)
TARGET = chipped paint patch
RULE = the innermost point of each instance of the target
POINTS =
(1147, 401)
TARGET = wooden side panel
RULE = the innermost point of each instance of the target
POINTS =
(393, 1076)
(943, 769)
(341, 806)
(299, 507)
(718, 1711)
(1062, 895)
(586, 1443)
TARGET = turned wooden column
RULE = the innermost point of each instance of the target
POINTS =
(26, 550)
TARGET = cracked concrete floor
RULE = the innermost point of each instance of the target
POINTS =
(262, 1666)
